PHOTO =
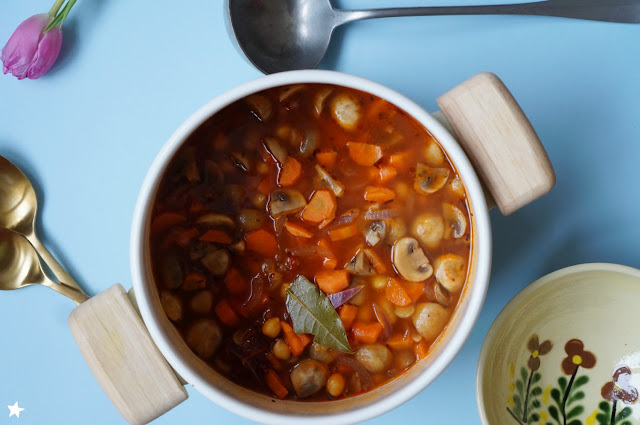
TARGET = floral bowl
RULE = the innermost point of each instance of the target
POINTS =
(565, 351)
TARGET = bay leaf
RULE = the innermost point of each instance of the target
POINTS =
(312, 313)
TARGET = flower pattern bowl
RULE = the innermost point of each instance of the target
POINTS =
(565, 351)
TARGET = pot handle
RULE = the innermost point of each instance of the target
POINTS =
(123, 358)
(499, 140)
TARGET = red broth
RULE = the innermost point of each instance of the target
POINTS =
(319, 181)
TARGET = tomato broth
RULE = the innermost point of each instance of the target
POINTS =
(320, 188)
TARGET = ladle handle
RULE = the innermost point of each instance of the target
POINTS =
(499, 140)
(123, 358)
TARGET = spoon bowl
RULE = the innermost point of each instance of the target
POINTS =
(20, 267)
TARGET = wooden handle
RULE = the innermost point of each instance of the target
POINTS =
(119, 351)
(499, 140)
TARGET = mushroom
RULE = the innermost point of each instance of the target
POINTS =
(241, 161)
(171, 272)
(430, 319)
(238, 246)
(204, 337)
(308, 377)
(375, 232)
(260, 106)
(288, 91)
(429, 180)
(322, 354)
(433, 154)
(359, 265)
(403, 359)
(404, 312)
(217, 261)
(456, 187)
(376, 358)
(308, 143)
(276, 150)
(285, 201)
(250, 219)
(319, 98)
(325, 180)
(289, 134)
(346, 111)
(456, 221)
(216, 219)
(171, 305)
(450, 271)
(410, 261)
(441, 295)
(396, 229)
(202, 302)
(429, 228)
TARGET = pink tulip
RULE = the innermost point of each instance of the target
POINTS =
(30, 52)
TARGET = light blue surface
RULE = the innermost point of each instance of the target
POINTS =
(131, 72)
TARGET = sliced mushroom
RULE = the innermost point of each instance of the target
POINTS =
(285, 201)
(359, 265)
(375, 232)
(429, 228)
(456, 220)
(433, 154)
(217, 262)
(288, 91)
(241, 161)
(376, 358)
(325, 180)
(441, 295)
(396, 228)
(171, 305)
(204, 337)
(171, 272)
(308, 377)
(250, 219)
(450, 271)
(346, 111)
(276, 150)
(410, 261)
(260, 105)
(309, 143)
(320, 97)
(430, 319)
(238, 246)
(216, 219)
(429, 180)
(456, 187)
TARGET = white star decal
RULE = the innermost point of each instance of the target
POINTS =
(15, 410)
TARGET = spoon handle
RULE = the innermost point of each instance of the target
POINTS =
(623, 11)
(53, 264)
(75, 294)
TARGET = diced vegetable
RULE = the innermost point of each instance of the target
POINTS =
(235, 282)
(379, 194)
(262, 242)
(166, 220)
(327, 158)
(290, 173)
(429, 180)
(375, 232)
(400, 342)
(348, 314)
(332, 281)
(296, 342)
(387, 173)
(375, 260)
(399, 160)
(366, 333)
(344, 232)
(346, 111)
(325, 180)
(226, 313)
(216, 236)
(285, 201)
(410, 261)
(339, 298)
(194, 281)
(275, 385)
(321, 208)
(364, 153)
(297, 230)
(397, 294)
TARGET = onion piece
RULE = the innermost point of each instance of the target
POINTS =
(347, 217)
(257, 287)
(342, 297)
(365, 377)
(373, 215)
(384, 321)
(308, 251)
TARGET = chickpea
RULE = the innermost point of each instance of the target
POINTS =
(405, 312)
(376, 358)
(204, 337)
(379, 282)
(430, 319)
(271, 327)
(281, 350)
(335, 385)
(322, 354)
(308, 377)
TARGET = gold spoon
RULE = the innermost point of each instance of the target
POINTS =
(20, 266)
(18, 205)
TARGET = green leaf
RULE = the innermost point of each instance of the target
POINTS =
(554, 412)
(604, 406)
(580, 381)
(562, 381)
(534, 418)
(536, 391)
(576, 411)
(555, 394)
(312, 313)
(536, 403)
(575, 397)
(626, 423)
(520, 387)
(517, 405)
(575, 422)
(624, 413)
(523, 374)
(536, 378)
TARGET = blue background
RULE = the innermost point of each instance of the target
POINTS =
(131, 72)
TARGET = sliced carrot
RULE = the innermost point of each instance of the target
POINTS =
(217, 236)
(332, 281)
(376, 108)
(321, 208)
(348, 314)
(262, 242)
(327, 158)
(399, 160)
(194, 281)
(264, 186)
(330, 261)
(291, 172)
(275, 385)
(387, 173)
(379, 194)
(344, 232)
(366, 333)
(274, 361)
(422, 349)
(226, 313)
(400, 342)
(166, 220)
(235, 282)
(182, 236)
(297, 230)
(364, 153)
(415, 290)
(296, 342)
(375, 260)
(397, 294)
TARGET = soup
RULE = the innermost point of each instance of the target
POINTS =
(310, 242)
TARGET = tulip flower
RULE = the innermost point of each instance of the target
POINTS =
(35, 45)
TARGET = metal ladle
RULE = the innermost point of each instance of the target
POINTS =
(18, 206)
(20, 266)
(282, 35)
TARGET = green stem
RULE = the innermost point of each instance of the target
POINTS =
(614, 404)
(526, 399)
(566, 396)
(60, 17)
(54, 9)
(514, 416)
